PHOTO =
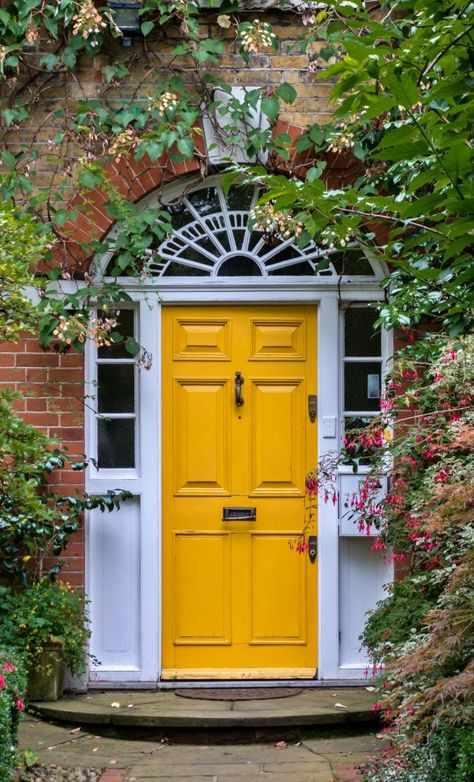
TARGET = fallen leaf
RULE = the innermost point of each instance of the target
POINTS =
(75, 730)
(380, 736)
(333, 694)
(95, 749)
(280, 744)
(130, 705)
(370, 689)
(340, 706)
(115, 705)
(112, 762)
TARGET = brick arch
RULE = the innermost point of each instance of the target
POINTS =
(135, 179)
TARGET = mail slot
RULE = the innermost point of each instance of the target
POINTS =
(239, 514)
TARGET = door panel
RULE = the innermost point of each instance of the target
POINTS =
(238, 600)
(201, 444)
(278, 598)
(202, 588)
(277, 438)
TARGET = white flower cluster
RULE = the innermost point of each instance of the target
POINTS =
(258, 35)
(168, 101)
(69, 329)
(88, 21)
(335, 239)
(342, 141)
(276, 226)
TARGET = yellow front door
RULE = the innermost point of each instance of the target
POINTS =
(238, 600)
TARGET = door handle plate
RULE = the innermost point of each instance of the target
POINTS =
(312, 407)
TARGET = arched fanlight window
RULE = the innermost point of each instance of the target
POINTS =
(212, 238)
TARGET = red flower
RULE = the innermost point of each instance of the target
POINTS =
(20, 705)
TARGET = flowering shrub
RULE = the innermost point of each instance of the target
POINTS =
(47, 613)
(12, 689)
(422, 634)
(421, 637)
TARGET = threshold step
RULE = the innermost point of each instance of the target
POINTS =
(167, 709)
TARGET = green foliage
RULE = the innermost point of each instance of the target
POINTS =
(22, 246)
(403, 105)
(12, 693)
(422, 634)
(35, 524)
(399, 615)
(46, 613)
(447, 754)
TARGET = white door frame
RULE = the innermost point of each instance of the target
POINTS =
(145, 481)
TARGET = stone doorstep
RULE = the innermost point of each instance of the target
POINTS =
(162, 711)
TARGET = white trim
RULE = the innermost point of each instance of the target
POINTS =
(145, 481)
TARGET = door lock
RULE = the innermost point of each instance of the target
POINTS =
(312, 407)
(312, 548)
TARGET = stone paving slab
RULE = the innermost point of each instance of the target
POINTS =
(310, 760)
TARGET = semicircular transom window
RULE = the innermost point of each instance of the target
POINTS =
(212, 238)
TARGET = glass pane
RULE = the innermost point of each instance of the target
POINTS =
(352, 262)
(205, 201)
(116, 443)
(180, 215)
(239, 199)
(125, 327)
(362, 385)
(360, 339)
(240, 266)
(181, 270)
(303, 267)
(116, 388)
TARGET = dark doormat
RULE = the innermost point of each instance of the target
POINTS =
(238, 693)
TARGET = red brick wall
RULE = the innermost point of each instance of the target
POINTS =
(53, 388)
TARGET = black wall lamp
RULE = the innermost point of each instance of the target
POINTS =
(127, 19)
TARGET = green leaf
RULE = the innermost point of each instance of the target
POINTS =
(132, 347)
(49, 61)
(186, 146)
(316, 171)
(9, 159)
(146, 28)
(286, 92)
(404, 89)
(271, 107)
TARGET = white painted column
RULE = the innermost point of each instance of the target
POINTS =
(328, 533)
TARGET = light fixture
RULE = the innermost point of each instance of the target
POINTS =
(127, 19)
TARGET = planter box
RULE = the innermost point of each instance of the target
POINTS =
(47, 686)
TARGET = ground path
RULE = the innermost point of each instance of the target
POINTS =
(311, 759)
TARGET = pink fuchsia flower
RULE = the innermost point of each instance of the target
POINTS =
(8, 667)
(3, 683)
(20, 705)
(377, 707)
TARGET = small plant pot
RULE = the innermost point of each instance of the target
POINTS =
(46, 676)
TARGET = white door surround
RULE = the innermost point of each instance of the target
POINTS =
(123, 570)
